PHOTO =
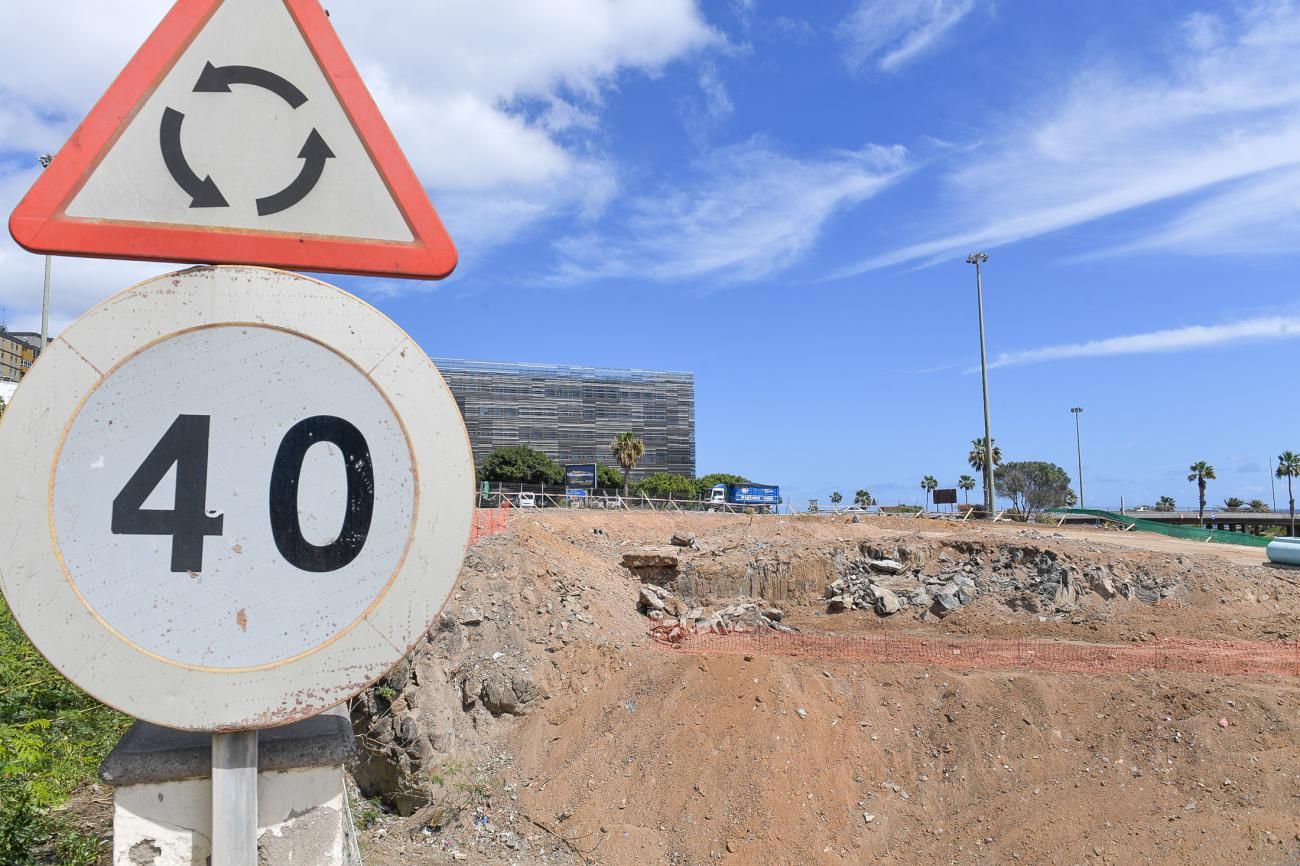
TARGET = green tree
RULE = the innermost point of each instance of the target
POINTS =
(1033, 485)
(976, 456)
(1201, 472)
(1288, 467)
(967, 484)
(665, 485)
(836, 498)
(627, 449)
(1071, 499)
(929, 484)
(704, 485)
(1258, 505)
(608, 477)
(863, 499)
(521, 465)
(1166, 503)
(1232, 503)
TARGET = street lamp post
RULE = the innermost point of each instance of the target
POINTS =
(45, 160)
(990, 495)
(1078, 446)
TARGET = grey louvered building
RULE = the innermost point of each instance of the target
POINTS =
(572, 414)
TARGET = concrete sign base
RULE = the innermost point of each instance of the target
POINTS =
(162, 798)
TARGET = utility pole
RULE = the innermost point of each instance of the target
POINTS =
(1078, 446)
(1272, 483)
(990, 495)
(45, 160)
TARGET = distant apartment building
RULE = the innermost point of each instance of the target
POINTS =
(572, 414)
(18, 351)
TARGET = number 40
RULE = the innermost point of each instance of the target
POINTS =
(185, 446)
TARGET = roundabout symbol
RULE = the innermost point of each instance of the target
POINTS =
(203, 191)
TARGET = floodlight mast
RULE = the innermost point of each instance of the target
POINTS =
(990, 494)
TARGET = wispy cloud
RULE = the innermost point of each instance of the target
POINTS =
(889, 34)
(1170, 340)
(1201, 134)
(750, 212)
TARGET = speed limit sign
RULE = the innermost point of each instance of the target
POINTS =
(236, 497)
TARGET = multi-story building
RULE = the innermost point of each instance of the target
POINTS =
(572, 414)
(18, 351)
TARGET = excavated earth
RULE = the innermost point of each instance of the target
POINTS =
(539, 724)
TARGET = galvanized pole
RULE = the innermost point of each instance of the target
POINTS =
(1078, 445)
(990, 494)
(234, 799)
(45, 161)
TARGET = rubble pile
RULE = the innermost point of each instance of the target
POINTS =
(663, 607)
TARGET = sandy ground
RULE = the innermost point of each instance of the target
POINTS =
(632, 754)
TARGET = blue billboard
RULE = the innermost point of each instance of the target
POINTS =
(755, 494)
(580, 475)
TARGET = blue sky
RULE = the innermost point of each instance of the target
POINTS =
(780, 197)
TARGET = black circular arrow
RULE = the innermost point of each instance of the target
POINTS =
(217, 79)
(315, 152)
(203, 192)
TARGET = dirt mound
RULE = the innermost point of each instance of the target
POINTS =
(538, 724)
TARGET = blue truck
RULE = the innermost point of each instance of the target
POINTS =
(761, 497)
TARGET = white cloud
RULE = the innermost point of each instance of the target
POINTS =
(1224, 108)
(892, 33)
(752, 212)
(496, 102)
(1170, 340)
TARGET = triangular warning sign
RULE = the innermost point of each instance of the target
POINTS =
(240, 133)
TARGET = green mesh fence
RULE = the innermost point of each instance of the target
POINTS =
(1194, 533)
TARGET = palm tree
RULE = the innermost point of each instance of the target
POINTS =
(627, 449)
(976, 456)
(836, 498)
(1201, 472)
(1166, 503)
(863, 498)
(929, 483)
(1258, 505)
(1288, 467)
(1232, 503)
(967, 484)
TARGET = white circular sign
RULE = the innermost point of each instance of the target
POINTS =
(240, 496)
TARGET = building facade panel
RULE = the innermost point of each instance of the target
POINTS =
(18, 351)
(572, 414)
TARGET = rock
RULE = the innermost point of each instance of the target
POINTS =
(774, 613)
(885, 566)
(471, 617)
(839, 603)
(648, 559)
(868, 817)
(649, 600)
(803, 714)
(920, 598)
(683, 539)
(886, 602)
(836, 587)
(945, 602)
(966, 593)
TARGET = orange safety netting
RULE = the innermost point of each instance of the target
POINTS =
(488, 521)
(1164, 654)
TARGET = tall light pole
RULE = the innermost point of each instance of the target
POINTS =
(990, 495)
(1078, 446)
(45, 160)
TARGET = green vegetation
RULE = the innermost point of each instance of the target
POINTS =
(52, 739)
(863, 498)
(607, 477)
(665, 485)
(1232, 503)
(1258, 505)
(976, 456)
(1288, 467)
(706, 483)
(837, 498)
(929, 484)
(1166, 503)
(627, 449)
(1033, 485)
(520, 464)
(967, 484)
(1201, 472)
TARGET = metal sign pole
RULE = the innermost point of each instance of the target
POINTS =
(234, 799)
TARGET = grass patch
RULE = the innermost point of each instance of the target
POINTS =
(52, 739)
